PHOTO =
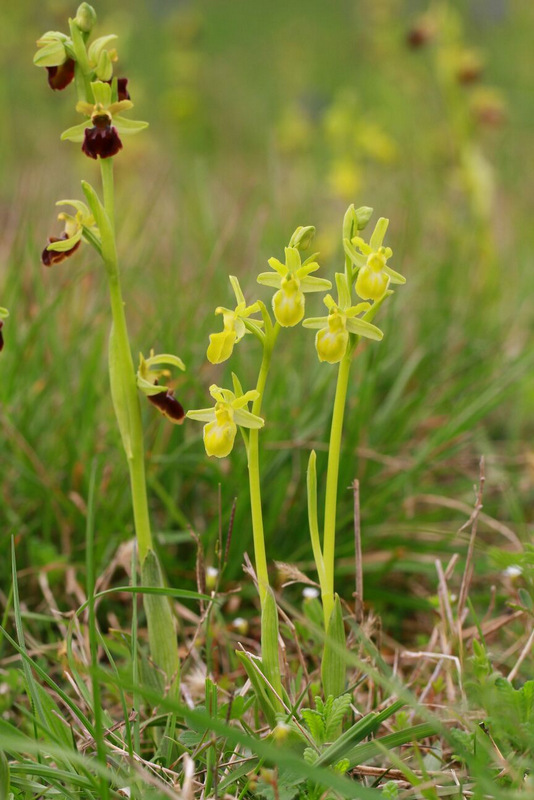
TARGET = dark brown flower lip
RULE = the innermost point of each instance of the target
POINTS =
(1, 336)
(49, 257)
(101, 140)
(59, 77)
(167, 403)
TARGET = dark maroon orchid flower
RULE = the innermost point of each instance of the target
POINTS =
(102, 139)
(49, 257)
(1, 337)
(167, 403)
(59, 77)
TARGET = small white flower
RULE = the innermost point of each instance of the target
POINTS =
(310, 592)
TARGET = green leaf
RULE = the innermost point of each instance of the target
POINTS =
(161, 627)
(270, 656)
(4, 777)
(255, 676)
(333, 666)
(340, 706)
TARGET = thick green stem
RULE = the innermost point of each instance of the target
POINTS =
(125, 377)
(254, 472)
(330, 509)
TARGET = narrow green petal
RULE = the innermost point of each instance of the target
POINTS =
(120, 105)
(166, 358)
(127, 126)
(363, 328)
(75, 134)
(353, 311)
(277, 265)
(362, 245)
(306, 268)
(248, 420)
(202, 414)
(270, 279)
(356, 258)
(248, 397)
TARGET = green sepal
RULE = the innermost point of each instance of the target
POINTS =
(247, 419)
(65, 244)
(51, 55)
(102, 93)
(333, 667)
(128, 126)
(75, 134)
(161, 627)
(357, 259)
(4, 313)
(362, 328)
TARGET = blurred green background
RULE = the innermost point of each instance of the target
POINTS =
(264, 116)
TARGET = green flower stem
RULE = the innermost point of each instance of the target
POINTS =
(330, 509)
(254, 471)
(126, 378)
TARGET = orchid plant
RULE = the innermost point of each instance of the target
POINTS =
(102, 98)
(368, 276)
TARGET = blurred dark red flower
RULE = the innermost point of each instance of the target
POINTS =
(167, 403)
(59, 77)
(1, 337)
(49, 257)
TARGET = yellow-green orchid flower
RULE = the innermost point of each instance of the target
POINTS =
(293, 280)
(373, 274)
(229, 412)
(234, 328)
(332, 337)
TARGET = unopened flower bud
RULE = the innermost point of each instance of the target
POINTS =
(362, 215)
(302, 237)
(212, 573)
(85, 18)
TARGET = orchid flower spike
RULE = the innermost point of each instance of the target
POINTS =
(229, 412)
(373, 275)
(149, 383)
(293, 280)
(332, 338)
(222, 344)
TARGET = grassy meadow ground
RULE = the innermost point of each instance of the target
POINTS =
(265, 116)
